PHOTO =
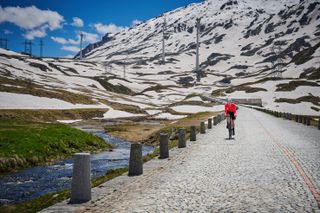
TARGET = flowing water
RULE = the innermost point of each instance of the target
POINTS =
(34, 182)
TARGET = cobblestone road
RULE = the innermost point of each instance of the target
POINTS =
(248, 174)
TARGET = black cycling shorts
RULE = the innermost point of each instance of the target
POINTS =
(231, 115)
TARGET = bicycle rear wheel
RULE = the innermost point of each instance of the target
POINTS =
(229, 128)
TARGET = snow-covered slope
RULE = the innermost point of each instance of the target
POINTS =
(236, 56)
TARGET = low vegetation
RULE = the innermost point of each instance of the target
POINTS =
(27, 86)
(191, 95)
(47, 200)
(305, 55)
(158, 88)
(124, 107)
(24, 144)
(292, 85)
(113, 88)
(247, 89)
(148, 132)
(311, 99)
(44, 115)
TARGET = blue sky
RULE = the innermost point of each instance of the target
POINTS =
(59, 22)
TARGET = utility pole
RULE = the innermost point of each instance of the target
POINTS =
(164, 28)
(81, 39)
(41, 48)
(197, 48)
(4, 43)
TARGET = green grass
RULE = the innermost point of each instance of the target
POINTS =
(47, 200)
(24, 144)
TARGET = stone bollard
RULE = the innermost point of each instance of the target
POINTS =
(182, 138)
(202, 128)
(308, 121)
(135, 161)
(164, 145)
(215, 120)
(219, 118)
(193, 133)
(209, 123)
(81, 183)
(304, 120)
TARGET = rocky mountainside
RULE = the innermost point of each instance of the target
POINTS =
(249, 48)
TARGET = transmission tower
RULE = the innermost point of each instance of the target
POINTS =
(277, 64)
(164, 28)
(4, 43)
(81, 40)
(197, 49)
(28, 47)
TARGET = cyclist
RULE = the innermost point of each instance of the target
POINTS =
(230, 109)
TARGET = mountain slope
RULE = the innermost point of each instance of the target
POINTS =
(236, 55)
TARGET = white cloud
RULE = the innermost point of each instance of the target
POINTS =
(31, 17)
(7, 32)
(59, 40)
(135, 22)
(69, 56)
(37, 33)
(74, 49)
(109, 28)
(77, 22)
(89, 37)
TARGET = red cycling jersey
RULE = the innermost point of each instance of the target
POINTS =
(230, 108)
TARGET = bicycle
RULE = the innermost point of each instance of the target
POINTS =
(230, 126)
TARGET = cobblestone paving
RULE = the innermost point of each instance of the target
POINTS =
(248, 174)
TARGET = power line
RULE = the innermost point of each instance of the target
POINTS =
(41, 48)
